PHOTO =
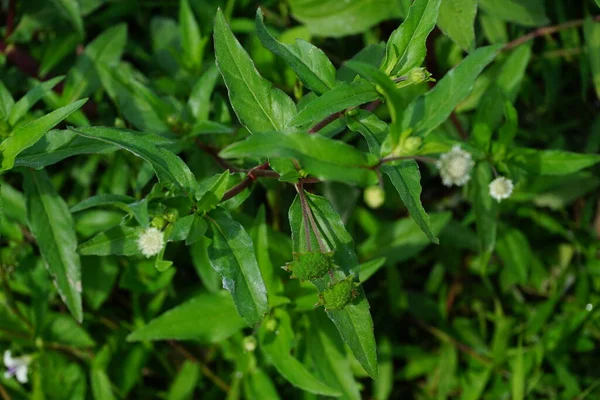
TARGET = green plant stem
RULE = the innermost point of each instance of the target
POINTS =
(546, 30)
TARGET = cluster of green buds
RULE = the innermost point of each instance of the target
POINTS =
(338, 295)
(310, 265)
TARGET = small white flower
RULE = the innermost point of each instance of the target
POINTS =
(501, 188)
(151, 242)
(455, 166)
(16, 366)
(374, 196)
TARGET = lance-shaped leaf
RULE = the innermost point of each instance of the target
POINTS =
(26, 135)
(551, 162)
(277, 347)
(52, 226)
(406, 48)
(321, 157)
(231, 254)
(167, 166)
(428, 111)
(341, 97)
(120, 240)
(26, 102)
(309, 62)
(258, 105)
(486, 209)
(523, 12)
(353, 322)
(456, 20)
(209, 318)
(405, 176)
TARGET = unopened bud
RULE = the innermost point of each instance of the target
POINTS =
(374, 196)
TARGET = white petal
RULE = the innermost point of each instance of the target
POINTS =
(22, 374)
(7, 374)
(8, 360)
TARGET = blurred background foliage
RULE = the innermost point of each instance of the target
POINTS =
(527, 327)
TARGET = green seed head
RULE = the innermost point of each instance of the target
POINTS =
(339, 295)
(311, 265)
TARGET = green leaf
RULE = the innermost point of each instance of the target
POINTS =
(57, 145)
(185, 382)
(428, 111)
(522, 12)
(329, 356)
(340, 18)
(52, 226)
(258, 105)
(231, 254)
(321, 157)
(591, 30)
(104, 51)
(209, 318)
(277, 347)
(354, 321)
(120, 240)
(406, 48)
(384, 385)
(405, 176)
(211, 191)
(26, 135)
(517, 380)
(99, 275)
(457, 19)
(191, 40)
(310, 63)
(258, 385)
(260, 238)
(119, 200)
(26, 102)
(101, 386)
(514, 251)
(167, 166)
(341, 97)
(199, 101)
(6, 101)
(70, 10)
(485, 208)
(209, 277)
(551, 162)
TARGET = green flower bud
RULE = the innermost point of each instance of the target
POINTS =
(339, 295)
(311, 265)
(412, 144)
(249, 343)
(374, 196)
(418, 75)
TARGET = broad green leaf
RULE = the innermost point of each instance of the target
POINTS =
(209, 127)
(101, 200)
(199, 101)
(591, 30)
(211, 191)
(101, 386)
(258, 386)
(323, 158)
(372, 54)
(340, 18)
(209, 277)
(231, 254)
(405, 176)
(514, 251)
(259, 106)
(522, 12)
(185, 382)
(26, 102)
(406, 48)
(27, 135)
(428, 111)
(485, 208)
(104, 51)
(120, 240)
(208, 317)
(341, 97)
(6, 101)
(457, 19)
(70, 10)
(551, 162)
(167, 166)
(354, 321)
(329, 356)
(311, 65)
(191, 40)
(276, 344)
(65, 330)
(56, 145)
(52, 226)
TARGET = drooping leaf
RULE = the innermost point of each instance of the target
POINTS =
(259, 106)
(354, 321)
(208, 317)
(28, 134)
(167, 166)
(277, 347)
(309, 62)
(52, 226)
(430, 110)
(406, 48)
(231, 254)
(457, 19)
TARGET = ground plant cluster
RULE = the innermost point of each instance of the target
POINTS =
(299, 199)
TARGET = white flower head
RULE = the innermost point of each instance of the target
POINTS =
(501, 188)
(455, 166)
(151, 242)
(16, 366)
